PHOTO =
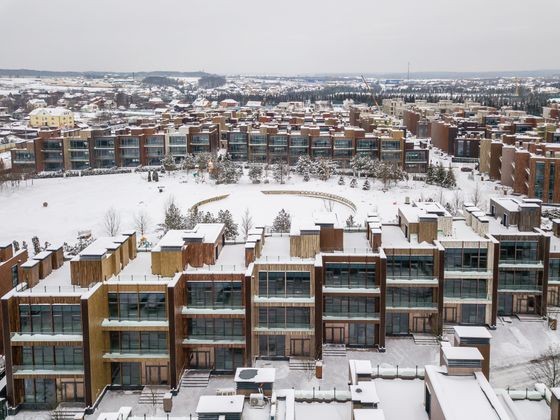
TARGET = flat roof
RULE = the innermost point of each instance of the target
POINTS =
(461, 353)
(368, 414)
(255, 375)
(218, 404)
(472, 332)
(364, 392)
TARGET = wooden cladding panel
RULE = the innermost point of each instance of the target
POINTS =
(305, 246)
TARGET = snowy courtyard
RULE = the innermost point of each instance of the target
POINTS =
(79, 203)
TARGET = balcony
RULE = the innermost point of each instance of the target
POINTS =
(520, 288)
(330, 289)
(213, 310)
(135, 324)
(283, 300)
(225, 340)
(521, 264)
(420, 306)
(47, 370)
(469, 273)
(412, 281)
(296, 327)
(351, 316)
(22, 338)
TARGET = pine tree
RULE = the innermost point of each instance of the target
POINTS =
(231, 228)
(439, 176)
(156, 176)
(282, 223)
(306, 177)
(149, 176)
(303, 165)
(341, 180)
(280, 172)
(173, 219)
(255, 173)
(36, 245)
(226, 172)
(430, 174)
(450, 181)
(353, 183)
(168, 162)
(350, 222)
(366, 185)
(16, 246)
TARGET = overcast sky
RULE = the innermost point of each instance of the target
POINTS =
(288, 36)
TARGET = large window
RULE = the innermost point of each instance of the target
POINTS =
(350, 275)
(554, 269)
(141, 342)
(539, 179)
(15, 275)
(518, 280)
(49, 319)
(220, 294)
(284, 317)
(126, 374)
(137, 306)
(215, 328)
(466, 288)
(518, 251)
(473, 314)
(284, 284)
(350, 305)
(40, 391)
(47, 356)
(466, 259)
(410, 297)
(272, 345)
(410, 266)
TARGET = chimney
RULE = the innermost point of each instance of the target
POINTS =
(478, 337)
(427, 228)
(462, 361)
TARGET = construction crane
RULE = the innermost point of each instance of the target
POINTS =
(370, 91)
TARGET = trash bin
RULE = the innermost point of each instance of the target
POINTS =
(167, 402)
(319, 370)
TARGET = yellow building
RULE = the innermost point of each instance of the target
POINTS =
(51, 117)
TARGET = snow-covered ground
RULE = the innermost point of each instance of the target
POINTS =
(79, 203)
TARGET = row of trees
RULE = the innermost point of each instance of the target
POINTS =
(438, 175)
(388, 173)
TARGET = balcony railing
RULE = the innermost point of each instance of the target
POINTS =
(427, 305)
(41, 369)
(351, 315)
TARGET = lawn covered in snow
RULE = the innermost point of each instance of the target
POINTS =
(79, 203)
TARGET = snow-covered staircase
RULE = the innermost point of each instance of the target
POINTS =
(529, 318)
(195, 378)
(334, 350)
(152, 395)
(300, 363)
(67, 411)
(424, 339)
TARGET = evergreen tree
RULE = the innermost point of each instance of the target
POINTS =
(226, 172)
(341, 180)
(450, 181)
(156, 176)
(350, 222)
(366, 185)
(173, 219)
(36, 245)
(304, 165)
(231, 229)
(306, 177)
(324, 168)
(168, 162)
(282, 223)
(16, 246)
(149, 176)
(430, 174)
(255, 173)
(439, 176)
(353, 183)
(280, 172)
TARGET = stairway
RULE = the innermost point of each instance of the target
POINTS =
(67, 411)
(529, 318)
(334, 350)
(298, 363)
(152, 395)
(425, 339)
(195, 378)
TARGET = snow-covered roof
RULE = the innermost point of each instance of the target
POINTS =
(218, 404)
(471, 332)
(51, 112)
(364, 392)
(368, 414)
(461, 353)
(254, 375)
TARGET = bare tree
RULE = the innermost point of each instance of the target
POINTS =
(142, 222)
(457, 202)
(476, 196)
(246, 223)
(112, 222)
(546, 368)
(328, 205)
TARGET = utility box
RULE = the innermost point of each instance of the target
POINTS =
(167, 402)
(319, 370)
